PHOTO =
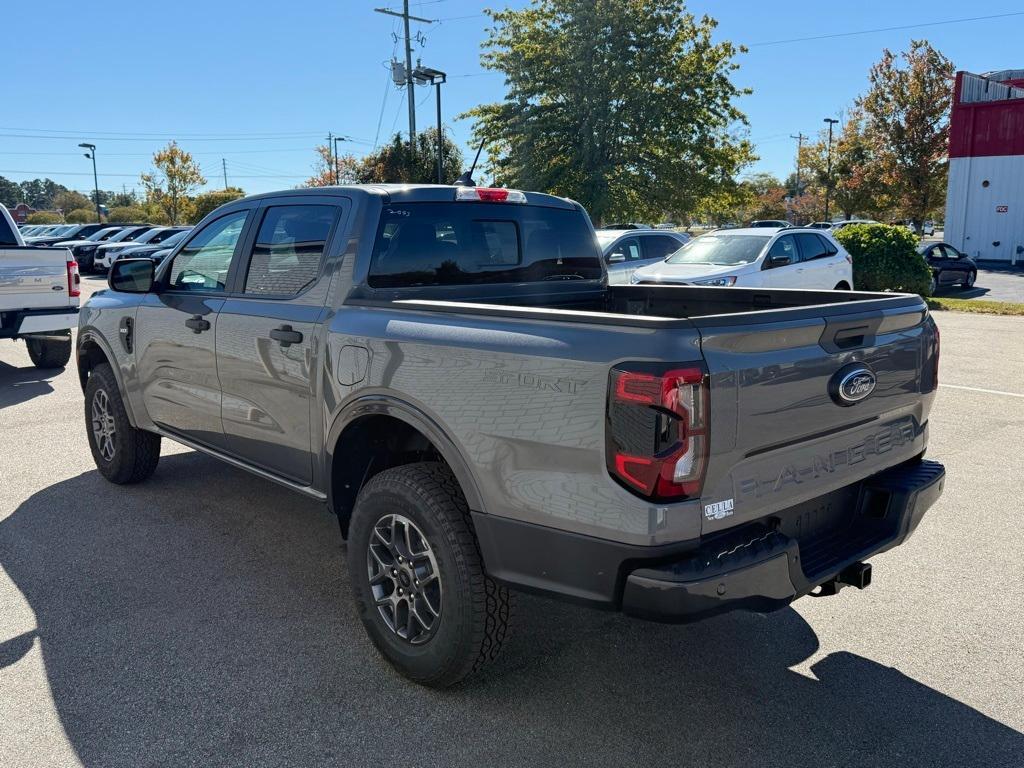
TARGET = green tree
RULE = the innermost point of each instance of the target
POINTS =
(766, 198)
(174, 177)
(391, 163)
(39, 193)
(126, 213)
(624, 105)
(43, 217)
(68, 200)
(10, 193)
(118, 199)
(210, 201)
(906, 121)
(80, 215)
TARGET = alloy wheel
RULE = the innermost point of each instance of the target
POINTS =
(404, 578)
(103, 427)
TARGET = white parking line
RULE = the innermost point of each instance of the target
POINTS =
(986, 391)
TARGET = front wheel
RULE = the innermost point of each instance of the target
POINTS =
(933, 286)
(418, 579)
(123, 454)
(49, 353)
(968, 282)
(843, 286)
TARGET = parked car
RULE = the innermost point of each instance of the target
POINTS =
(155, 251)
(819, 225)
(837, 225)
(39, 296)
(756, 258)
(57, 232)
(625, 225)
(627, 249)
(449, 371)
(949, 266)
(85, 253)
(766, 223)
(108, 252)
(72, 232)
(666, 225)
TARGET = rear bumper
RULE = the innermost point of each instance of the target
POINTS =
(762, 566)
(27, 322)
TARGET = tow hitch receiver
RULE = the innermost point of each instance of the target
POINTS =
(857, 575)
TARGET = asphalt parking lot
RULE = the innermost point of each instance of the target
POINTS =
(203, 619)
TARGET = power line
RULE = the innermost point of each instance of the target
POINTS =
(885, 29)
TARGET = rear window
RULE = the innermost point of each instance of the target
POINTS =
(423, 244)
(6, 233)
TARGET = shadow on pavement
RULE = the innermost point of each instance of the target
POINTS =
(203, 618)
(17, 385)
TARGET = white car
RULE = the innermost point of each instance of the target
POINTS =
(627, 249)
(755, 257)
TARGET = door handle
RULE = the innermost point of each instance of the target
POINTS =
(285, 336)
(197, 324)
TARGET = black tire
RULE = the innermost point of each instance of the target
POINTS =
(132, 454)
(473, 610)
(46, 353)
(843, 286)
(968, 282)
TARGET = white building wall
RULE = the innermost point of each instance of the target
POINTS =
(974, 221)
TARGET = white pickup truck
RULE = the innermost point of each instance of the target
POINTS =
(39, 296)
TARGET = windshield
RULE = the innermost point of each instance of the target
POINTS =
(720, 248)
(103, 234)
(174, 239)
(127, 234)
(148, 235)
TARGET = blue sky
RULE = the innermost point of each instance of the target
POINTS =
(259, 84)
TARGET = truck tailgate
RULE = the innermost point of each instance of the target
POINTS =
(34, 277)
(785, 431)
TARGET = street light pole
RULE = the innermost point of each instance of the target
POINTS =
(828, 169)
(95, 179)
(435, 77)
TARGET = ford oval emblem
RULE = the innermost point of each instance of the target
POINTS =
(852, 383)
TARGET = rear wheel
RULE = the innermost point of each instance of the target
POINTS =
(843, 286)
(123, 454)
(418, 579)
(49, 353)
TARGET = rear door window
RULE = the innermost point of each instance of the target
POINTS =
(811, 246)
(431, 244)
(288, 249)
(660, 246)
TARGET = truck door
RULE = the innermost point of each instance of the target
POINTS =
(266, 336)
(174, 332)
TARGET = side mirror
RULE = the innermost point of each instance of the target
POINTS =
(132, 276)
(616, 258)
(779, 261)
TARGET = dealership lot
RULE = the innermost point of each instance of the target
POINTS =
(204, 618)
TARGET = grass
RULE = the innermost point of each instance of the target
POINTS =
(977, 306)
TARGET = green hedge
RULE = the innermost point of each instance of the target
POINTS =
(885, 258)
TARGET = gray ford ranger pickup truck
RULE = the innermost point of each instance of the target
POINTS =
(448, 369)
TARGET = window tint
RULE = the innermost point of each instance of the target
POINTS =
(6, 233)
(422, 244)
(784, 246)
(163, 235)
(627, 249)
(286, 254)
(202, 265)
(947, 251)
(659, 246)
(812, 247)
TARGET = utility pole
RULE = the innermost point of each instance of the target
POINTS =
(336, 172)
(799, 149)
(330, 156)
(406, 18)
(224, 165)
(828, 164)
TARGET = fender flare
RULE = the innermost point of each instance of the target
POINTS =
(388, 405)
(90, 334)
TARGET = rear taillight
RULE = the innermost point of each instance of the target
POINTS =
(657, 430)
(490, 194)
(74, 280)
